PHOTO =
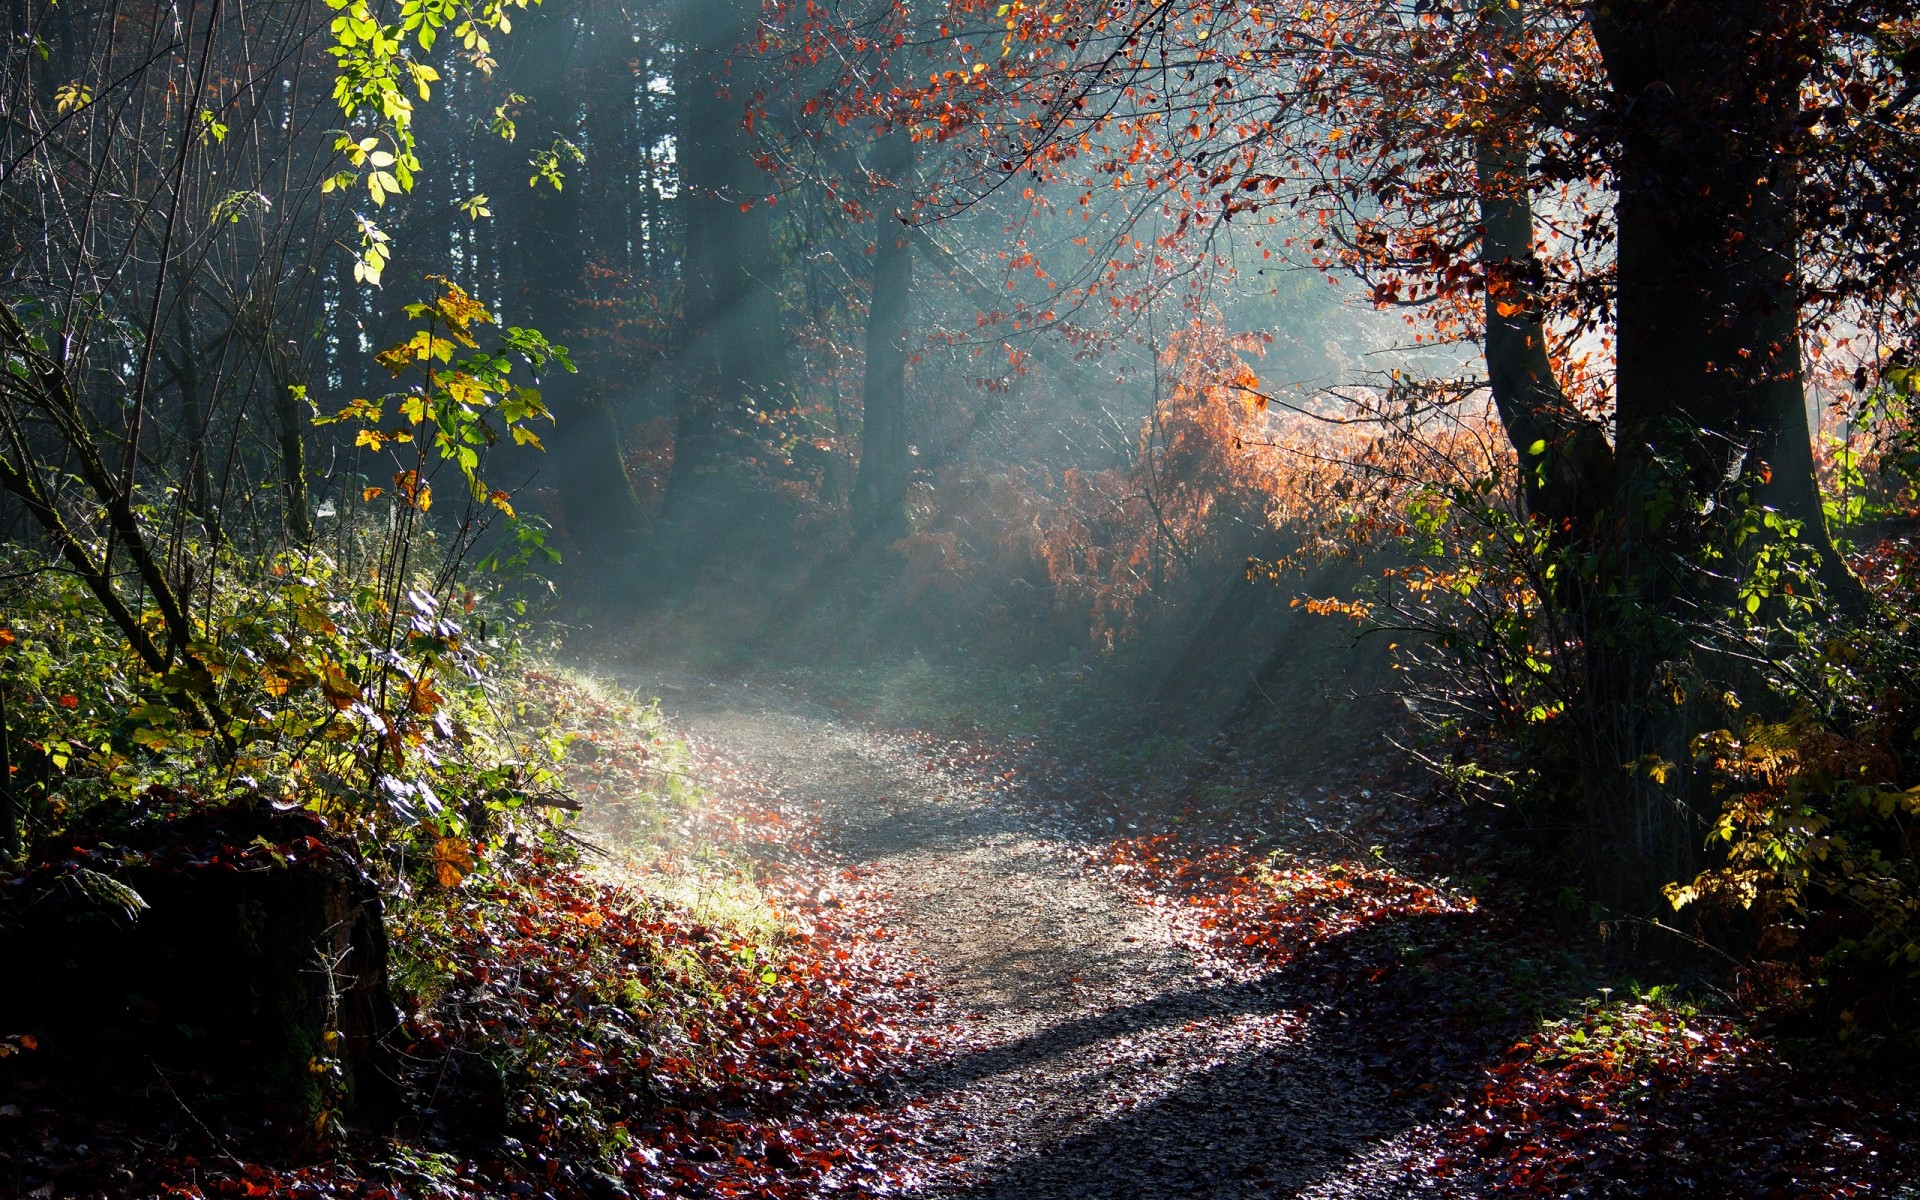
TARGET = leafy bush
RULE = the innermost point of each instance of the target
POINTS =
(342, 678)
(1817, 827)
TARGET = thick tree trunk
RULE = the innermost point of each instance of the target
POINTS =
(879, 506)
(1710, 415)
(1710, 389)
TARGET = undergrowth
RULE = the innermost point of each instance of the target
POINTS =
(1535, 1075)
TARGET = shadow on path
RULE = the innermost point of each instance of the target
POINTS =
(1253, 1087)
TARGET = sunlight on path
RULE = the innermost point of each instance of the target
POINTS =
(1087, 1053)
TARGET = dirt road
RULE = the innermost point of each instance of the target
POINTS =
(1092, 1055)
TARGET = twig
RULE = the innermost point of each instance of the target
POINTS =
(219, 1142)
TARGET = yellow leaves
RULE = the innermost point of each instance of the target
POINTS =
(463, 388)
(422, 76)
(459, 310)
(424, 345)
(71, 97)
(374, 439)
(452, 861)
(374, 252)
(1652, 766)
(1741, 886)
(456, 406)
(359, 410)
(1680, 895)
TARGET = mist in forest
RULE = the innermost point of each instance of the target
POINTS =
(612, 598)
(830, 381)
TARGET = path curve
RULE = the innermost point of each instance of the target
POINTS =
(1089, 1053)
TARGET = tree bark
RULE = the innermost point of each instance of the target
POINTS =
(1709, 406)
(193, 422)
(289, 422)
(1710, 386)
(1566, 463)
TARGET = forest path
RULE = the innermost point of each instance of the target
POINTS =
(1088, 1054)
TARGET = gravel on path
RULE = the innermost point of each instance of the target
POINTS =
(1089, 1053)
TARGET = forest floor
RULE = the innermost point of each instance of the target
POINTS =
(1191, 1012)
(1087, 1050)
(820, 950)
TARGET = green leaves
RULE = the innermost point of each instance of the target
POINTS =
(376, 65)
(459, 406)
(548, 164)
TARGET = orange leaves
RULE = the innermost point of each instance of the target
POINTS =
(1354, 610)
(414, 489)
(1253, 910)
(452, 861)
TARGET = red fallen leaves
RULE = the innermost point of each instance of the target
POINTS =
(1248, 908)
(1649, 1099)
(1642, 1099)
(733, 1074)
(648, 1055)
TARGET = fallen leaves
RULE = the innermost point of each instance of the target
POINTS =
(1653, 1098)
(624, 1023)
(1249, 907)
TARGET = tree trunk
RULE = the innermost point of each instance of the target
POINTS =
(193, 422)
(1710, 416)
(733, 344)
(553, 253)
(1710, 384)
(1566, 463)
(289, 422)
